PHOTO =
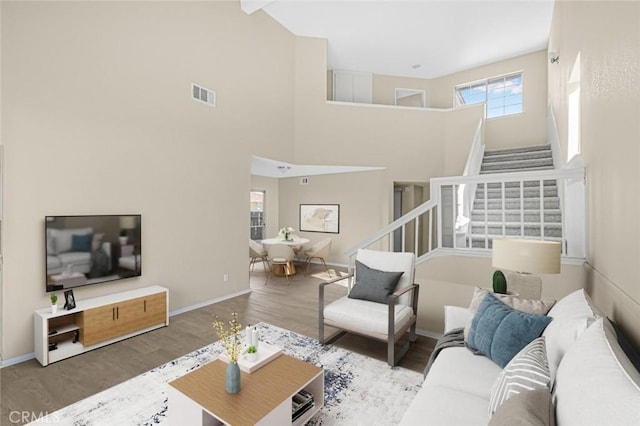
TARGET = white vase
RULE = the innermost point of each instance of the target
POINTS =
(54, 309)
(123, 240)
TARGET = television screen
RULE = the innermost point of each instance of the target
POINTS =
(84, 250)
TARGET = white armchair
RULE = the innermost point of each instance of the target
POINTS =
(382, 302)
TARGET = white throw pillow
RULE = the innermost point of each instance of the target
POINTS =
(528, 370)
(572, 315)
(530, 306)
(595, 383)
(575, 305)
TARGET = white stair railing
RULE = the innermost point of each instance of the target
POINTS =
(520, 198)
(436, 225)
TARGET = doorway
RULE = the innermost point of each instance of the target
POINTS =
(256, 214)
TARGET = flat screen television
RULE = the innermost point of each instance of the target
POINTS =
(84, 250)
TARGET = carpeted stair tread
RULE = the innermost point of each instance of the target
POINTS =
(491, 152)
(528, 155)
(522, 212)
(528, 169)
(501, 166)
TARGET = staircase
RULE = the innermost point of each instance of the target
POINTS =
(515, 208)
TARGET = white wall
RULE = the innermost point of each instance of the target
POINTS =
(363, 198)
(97, 119)
(607, 36)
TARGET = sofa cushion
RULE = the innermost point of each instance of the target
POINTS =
(75, 258)
(560, 335)
(500, 332)
(531, 306)
(373, 284)
(458, 368)
(595, 383)
(528, 408)
(53, 262)
(528, 370)
(572, 315)
(368, 317)
(442, 405)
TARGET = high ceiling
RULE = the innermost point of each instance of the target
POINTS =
(416, 38)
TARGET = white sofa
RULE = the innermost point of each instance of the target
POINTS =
(592, 381)
(60, 252)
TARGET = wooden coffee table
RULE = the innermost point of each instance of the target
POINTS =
(265, 397)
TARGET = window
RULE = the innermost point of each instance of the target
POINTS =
(573, 133)
(502, 95)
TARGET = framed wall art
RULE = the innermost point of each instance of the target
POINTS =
(320, 218)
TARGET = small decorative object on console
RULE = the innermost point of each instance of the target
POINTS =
(70, 301)
(54, 301)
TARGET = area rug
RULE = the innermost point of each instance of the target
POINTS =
(358, 390)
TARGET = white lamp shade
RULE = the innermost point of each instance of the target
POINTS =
(530, 256)
(127, 222)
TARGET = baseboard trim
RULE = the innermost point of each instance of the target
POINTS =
(209, 302)
(17, 360)
(427, 333)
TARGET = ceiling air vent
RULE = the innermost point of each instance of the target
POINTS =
(202, 94)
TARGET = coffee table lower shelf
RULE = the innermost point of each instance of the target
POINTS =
(265, 397)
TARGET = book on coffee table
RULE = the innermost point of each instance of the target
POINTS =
(266, 353)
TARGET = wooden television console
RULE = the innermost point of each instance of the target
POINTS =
(98, 322)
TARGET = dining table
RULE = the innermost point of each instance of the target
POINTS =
(295, 243)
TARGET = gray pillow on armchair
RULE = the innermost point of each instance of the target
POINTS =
(372, 284)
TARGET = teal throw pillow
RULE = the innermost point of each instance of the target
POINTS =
(372, 284)
(500, 332)
(81, 242)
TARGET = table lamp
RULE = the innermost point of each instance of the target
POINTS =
(127, 223)
(525, 258)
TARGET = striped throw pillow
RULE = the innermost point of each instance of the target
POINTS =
(528, 370)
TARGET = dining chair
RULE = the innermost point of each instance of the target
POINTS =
(281, 258)
(319, 250)
(256, 253)
(297, 248)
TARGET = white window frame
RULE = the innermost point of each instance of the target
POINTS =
(485, 82)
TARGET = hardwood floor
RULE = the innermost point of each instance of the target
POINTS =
(29, 390)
